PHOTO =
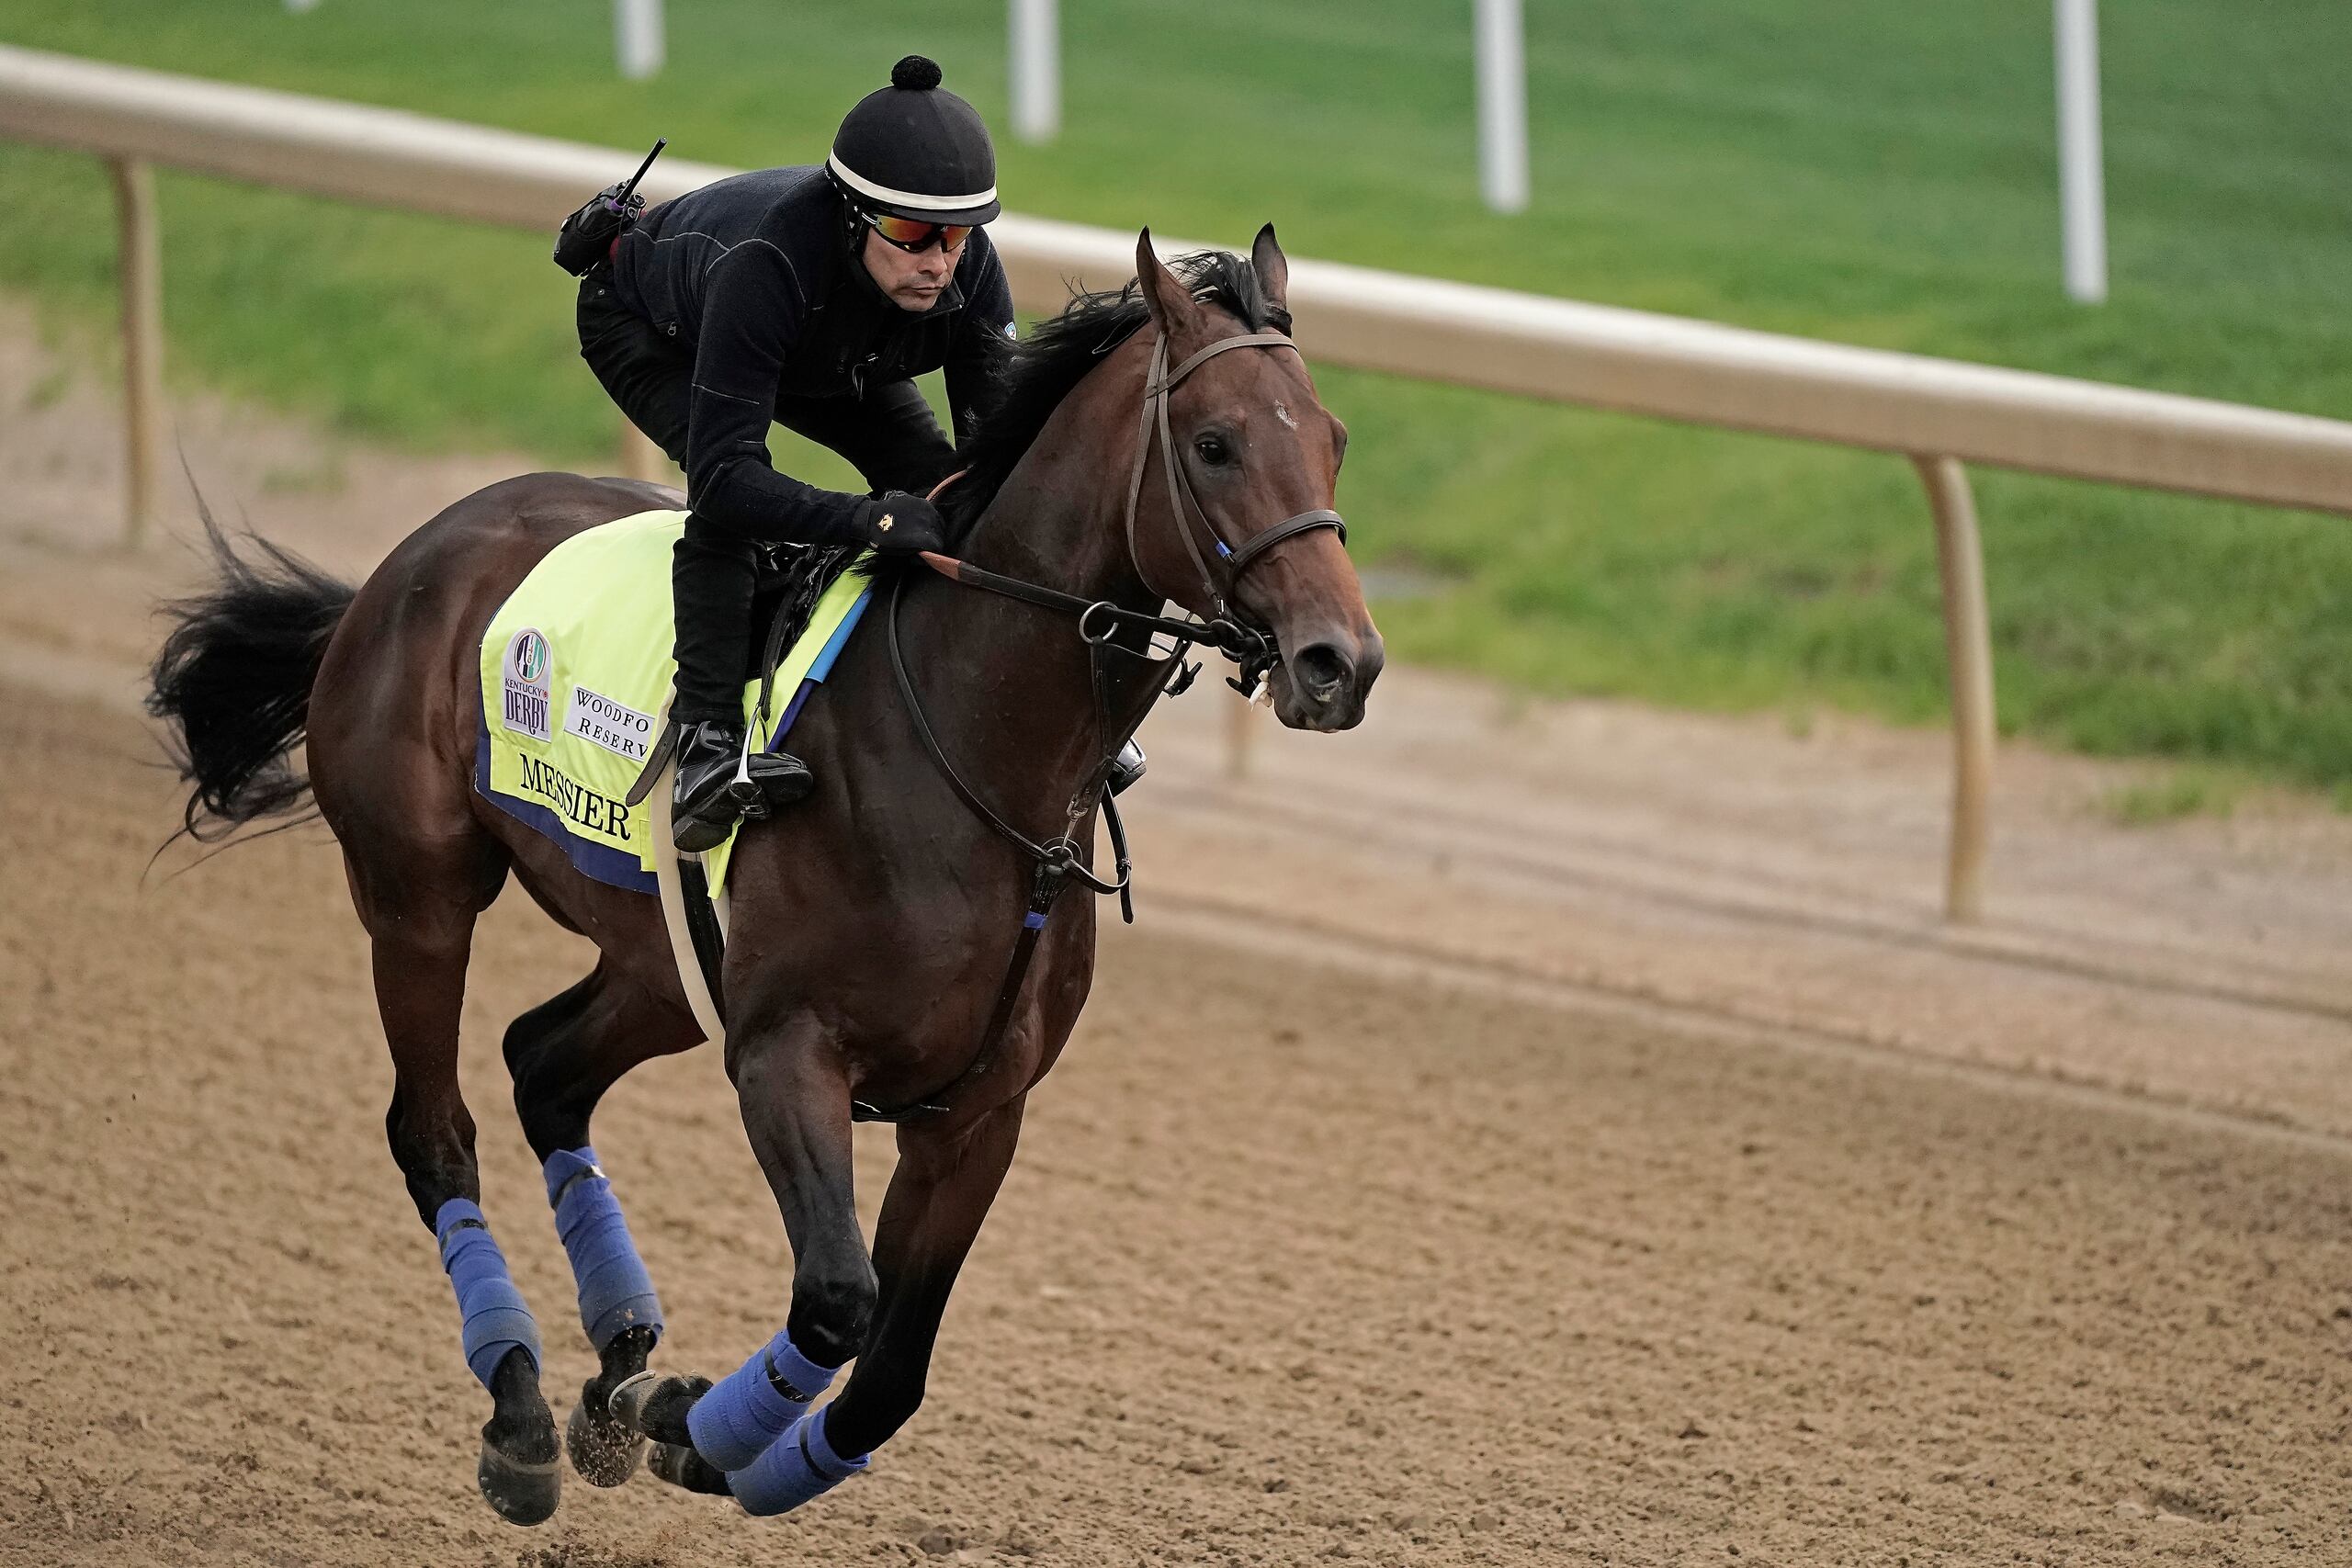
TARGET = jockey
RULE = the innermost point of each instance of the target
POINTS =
(811, 296)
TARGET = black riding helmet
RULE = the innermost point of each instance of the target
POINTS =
(914, 150)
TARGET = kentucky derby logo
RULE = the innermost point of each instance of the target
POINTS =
(527, 658)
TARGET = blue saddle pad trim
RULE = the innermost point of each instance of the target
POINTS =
(819, 668)
(613, 867)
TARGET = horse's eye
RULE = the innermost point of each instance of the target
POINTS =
(1212, 448)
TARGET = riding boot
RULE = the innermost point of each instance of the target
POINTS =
(1128, 768)
(712, 575)
(718, 786)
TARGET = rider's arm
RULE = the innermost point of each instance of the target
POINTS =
(754, 310)
(983, 332)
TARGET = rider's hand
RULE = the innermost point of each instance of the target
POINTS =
(899, 523)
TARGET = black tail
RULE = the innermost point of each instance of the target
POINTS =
(234, 682)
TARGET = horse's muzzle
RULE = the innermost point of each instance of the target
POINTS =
(1323, 684)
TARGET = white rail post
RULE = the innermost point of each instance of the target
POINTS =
(2082, 185)
(641, 459)
(1968, 648)
(301, 5)
(1036, 70)
(1240, 733)
(139, 264)
(1502, 103)
(637, 38)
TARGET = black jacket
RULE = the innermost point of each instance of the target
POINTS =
(754, 278)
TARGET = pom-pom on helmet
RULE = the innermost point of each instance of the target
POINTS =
(915, 150)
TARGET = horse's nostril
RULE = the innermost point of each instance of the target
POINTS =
(1320, 670)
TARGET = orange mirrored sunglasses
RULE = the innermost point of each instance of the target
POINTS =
(915, 234)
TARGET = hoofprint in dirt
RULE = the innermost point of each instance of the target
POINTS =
(1299, 1264)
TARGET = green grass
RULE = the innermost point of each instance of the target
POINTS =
(2196, 790)
(1871, 173)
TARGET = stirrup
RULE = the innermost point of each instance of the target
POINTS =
(761, 782)
(706, 825)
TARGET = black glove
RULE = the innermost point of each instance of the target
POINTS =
(898, 523)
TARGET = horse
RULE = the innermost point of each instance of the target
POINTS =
(961, 751)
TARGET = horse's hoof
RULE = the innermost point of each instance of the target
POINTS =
(656, 1406)
(523, 1492)
(678, 1464)
(605, 1452)
(625, 1401)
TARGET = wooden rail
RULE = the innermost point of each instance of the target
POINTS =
(1938, 413)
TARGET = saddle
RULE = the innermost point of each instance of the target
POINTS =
(790, 580)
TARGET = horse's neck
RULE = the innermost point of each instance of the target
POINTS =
(1009, 686)
(1058, 518)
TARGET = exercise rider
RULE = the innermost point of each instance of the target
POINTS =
(811, 296)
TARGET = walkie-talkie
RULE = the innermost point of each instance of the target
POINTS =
(587, 236)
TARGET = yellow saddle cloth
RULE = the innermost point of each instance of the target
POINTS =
(575, 674)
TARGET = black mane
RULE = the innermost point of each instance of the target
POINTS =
(1038, 372)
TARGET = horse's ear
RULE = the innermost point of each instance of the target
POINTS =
(1273, 268)
(1170, 303)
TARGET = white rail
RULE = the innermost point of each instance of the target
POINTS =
(1939, 412)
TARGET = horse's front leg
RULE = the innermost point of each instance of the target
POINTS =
(939, 1195)
(793, 1089)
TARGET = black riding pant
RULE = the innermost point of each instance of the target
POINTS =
(890, 436)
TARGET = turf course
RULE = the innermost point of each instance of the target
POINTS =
(1869, 172)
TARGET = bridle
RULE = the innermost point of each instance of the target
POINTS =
(1159, 385)
(1064, 860)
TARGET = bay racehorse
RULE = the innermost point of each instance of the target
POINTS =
(961, 747)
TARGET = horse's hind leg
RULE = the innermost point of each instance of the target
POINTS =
(418, 899)
(564, 1053)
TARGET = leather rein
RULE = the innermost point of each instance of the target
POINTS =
(1064, 859)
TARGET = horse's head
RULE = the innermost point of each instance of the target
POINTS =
(1256, 457)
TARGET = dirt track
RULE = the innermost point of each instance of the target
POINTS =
(1297, 1263)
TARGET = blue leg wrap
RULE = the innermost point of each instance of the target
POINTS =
(751, 1407)
(800, 1467)
(495, 1318)
(616, 1292)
